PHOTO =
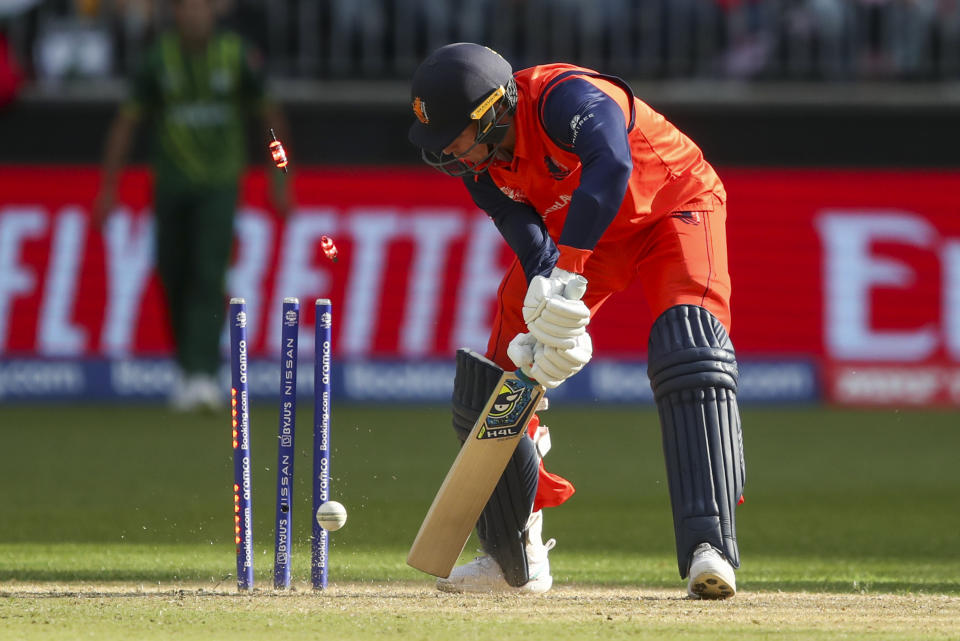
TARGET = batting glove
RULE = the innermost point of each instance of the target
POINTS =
(555, 321)
(552, 366)
(541, 288)
(520, 351)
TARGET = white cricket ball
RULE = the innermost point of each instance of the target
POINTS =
(331, 516)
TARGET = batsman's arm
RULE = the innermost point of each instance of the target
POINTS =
(602, 144)
(519, 224)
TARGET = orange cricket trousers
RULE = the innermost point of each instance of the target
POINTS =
(680, 258)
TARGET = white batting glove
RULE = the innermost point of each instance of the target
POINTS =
(552, 366)
(555, 320)
(560, 323)
(520, 351)
(541, 288)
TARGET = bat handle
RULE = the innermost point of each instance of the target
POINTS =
(576, 287)
(526, 380)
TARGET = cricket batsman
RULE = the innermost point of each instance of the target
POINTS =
(581, 177)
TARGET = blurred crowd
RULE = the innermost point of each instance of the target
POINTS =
(833, 40)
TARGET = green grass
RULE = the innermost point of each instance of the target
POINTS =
(842, 502)
(832, 497)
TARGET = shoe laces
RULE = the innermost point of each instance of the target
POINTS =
(538, 555)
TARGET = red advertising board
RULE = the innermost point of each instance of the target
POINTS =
(859, 270)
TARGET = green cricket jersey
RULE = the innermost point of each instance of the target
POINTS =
(198, 103)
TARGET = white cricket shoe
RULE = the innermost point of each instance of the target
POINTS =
(483, 574)
(711, 575)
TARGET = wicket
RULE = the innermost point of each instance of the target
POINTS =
(321, 441)
(240, 418)
(286, 433)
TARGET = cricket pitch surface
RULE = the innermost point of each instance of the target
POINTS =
(404, 610)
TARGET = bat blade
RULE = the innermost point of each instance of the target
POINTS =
(474, 474)
(479, 465)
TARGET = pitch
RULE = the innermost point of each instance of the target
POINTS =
(362, 611)
(117, 524)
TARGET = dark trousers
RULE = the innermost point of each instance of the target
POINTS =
(194, 230)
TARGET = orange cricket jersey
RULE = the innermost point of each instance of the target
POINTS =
(668, 168)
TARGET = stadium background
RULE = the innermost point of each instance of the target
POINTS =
(833, 125)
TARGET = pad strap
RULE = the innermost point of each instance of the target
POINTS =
(503, 520)
(693, 373)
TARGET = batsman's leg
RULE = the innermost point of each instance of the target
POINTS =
(693, 373)
(508, 529)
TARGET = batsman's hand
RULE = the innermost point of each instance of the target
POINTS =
(520, 351)
(555, 320)
(552, 366)
(547, 365)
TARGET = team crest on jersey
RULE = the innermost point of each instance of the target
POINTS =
(420, 110)
(557, 169)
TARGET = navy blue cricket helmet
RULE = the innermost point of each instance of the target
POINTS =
(454, 86)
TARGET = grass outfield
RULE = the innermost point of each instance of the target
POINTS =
(849, 528)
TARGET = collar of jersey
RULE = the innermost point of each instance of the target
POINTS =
(519, 151)
(519, 145)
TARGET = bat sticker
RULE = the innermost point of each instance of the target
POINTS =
(510, 411)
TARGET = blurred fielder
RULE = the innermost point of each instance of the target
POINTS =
(581, 177)
(196, 85)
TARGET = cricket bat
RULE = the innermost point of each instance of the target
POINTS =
(477, 469)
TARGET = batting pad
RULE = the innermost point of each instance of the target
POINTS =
(693, 373)
(502, 522)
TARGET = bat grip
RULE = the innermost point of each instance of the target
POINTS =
(526, 380)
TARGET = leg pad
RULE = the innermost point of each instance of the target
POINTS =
(693, 373)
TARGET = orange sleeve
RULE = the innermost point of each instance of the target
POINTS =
(573, 259)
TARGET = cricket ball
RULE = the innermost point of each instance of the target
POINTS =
(331, 516)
